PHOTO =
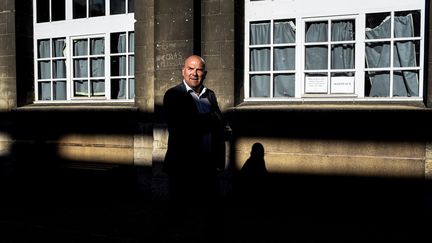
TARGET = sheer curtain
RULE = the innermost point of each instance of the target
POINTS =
(405, 83)
(260, 59)
(284, 59)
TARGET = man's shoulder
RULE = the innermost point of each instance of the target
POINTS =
(175, 89)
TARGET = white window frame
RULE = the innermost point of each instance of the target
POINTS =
(306, 10)
(84, 27)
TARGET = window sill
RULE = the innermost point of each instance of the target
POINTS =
(79, 107)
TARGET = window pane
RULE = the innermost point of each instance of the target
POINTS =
(118, 42)
(79, 9)
(406, 53)
(131, 65)
(58, 9)
(407, 24)
(284, 85)
(44, 49)
(42, 11)
(118, 88)
(378, 26)
(377, 84)
(284, 58)
(44, 89)
(117, 6)
(131, 88)
(131, 6)
(80, 47)
(377, 54)
(343, 30)
(260, 86)
(97, 46)
(284, 32)
(316, 32)
(44, 70)
(342, 83)
(260, 33)
(97, 67)
(316, 57)
(342, 56)
(98, 88)
(260, 59)
(59, 91)
(118, 65)
(132, 42)
(59, 46)
(97, 8)
(80, 88)
(405, 84)
(59, 67)
(80, 68)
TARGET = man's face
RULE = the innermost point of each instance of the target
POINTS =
(194, 73)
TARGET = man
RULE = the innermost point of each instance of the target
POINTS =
(196, 147)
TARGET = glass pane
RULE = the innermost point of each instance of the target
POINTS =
(260, 33)
(80, 68)
(118, 65)
(59, 91)
(58, 9)
(284, 31)
(44, 70)
(118, 89)
(342, 83)
(260, 86)
(378, 26)
(59, 47)
(343, 30)
(118, 42)
(317, 31)
(97, 88)
(44, 90)
(59, 67)
(79, 9)
(131, 6)
(42, 11)
(406, 54)
(407, 24)
(377, 84)
(316, 57)
(80, 47)
(97, 67)
(131, 65)
(97, 46)
(406, 83)
(80, 88)
(342, 56)
(316, 83)
(117, 6)
(97, 8)
(284, 85)
(44, 49)
(377, 54)
(132, 42)
(260, 59)
(131, 88)
(284, 58)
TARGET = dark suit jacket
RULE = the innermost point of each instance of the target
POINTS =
(186, 127)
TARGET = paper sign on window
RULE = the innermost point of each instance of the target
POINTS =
(316, 84)
(342, 85)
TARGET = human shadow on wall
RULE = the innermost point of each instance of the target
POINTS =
(252, 179)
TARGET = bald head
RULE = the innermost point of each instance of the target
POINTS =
(194, 72)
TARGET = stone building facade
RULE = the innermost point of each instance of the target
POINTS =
(324, 144)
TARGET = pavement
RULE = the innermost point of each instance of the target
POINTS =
(89, 207)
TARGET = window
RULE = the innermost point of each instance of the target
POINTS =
(293, 53)
(120, 6)
(88, 8)
(50, 10)
(76, 64)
